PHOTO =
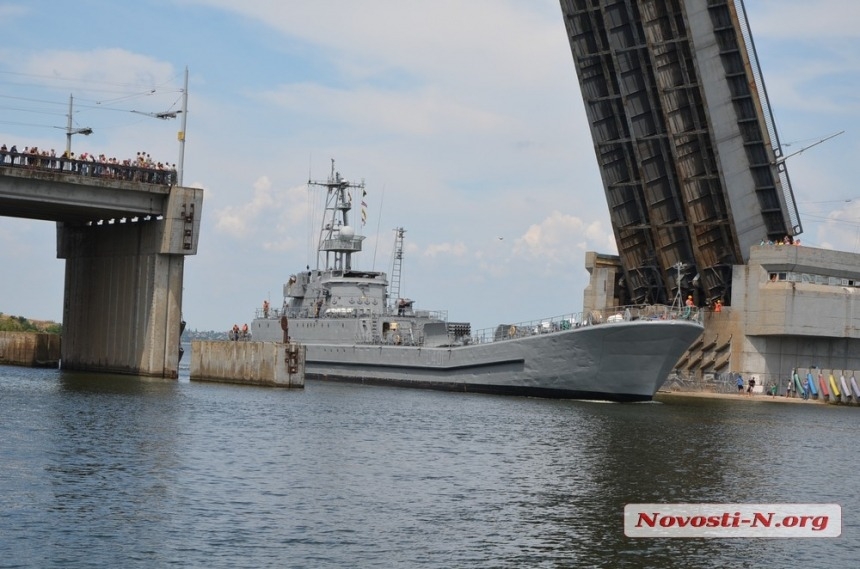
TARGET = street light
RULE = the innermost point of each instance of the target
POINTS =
(163, 115)
(181, 134)
(86, 131)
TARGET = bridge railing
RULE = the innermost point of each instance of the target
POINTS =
(91, 168)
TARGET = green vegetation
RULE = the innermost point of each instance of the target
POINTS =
(21, 324)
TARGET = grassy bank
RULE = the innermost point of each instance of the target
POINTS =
(10, 323)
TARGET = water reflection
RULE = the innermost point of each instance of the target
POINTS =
(105, 470)
(111, 458)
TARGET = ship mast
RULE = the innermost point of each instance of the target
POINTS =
(396, 264)
(337, 239)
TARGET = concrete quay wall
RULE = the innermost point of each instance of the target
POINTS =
(792, 307)
(248, 363)
(31, 349)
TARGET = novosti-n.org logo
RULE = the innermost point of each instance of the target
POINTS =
(732, 520)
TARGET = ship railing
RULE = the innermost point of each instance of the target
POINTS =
(346, 312)
(351, 244)
(271, 313)
(565, 322)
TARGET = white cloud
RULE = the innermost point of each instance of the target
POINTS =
(560, 239)
(268, 211)
(10, 12)
(790, 19)
(96, 69)
(446, 249)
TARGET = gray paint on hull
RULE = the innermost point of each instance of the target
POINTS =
(625, 361)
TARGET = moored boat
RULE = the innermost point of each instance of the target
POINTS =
(356, 327)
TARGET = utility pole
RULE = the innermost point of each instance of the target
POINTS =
(70, 131)
(181, 135)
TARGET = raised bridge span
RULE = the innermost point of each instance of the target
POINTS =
(124, 233)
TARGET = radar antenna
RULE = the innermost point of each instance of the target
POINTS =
(337, 239)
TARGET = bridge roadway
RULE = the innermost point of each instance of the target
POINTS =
(124, 233)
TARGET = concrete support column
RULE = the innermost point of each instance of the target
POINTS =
(123, 290)
(602, 290)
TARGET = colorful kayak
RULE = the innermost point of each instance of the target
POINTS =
(844, 384)
(855, 388)
(823, 385)
(810, 381)
(834, 387)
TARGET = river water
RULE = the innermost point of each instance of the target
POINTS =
(116, 471)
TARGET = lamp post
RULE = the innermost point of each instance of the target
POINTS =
(86, 131)
(181, 134)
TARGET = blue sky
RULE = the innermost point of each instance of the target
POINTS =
(463, 118)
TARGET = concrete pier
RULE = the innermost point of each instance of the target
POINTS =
(31, 349)
(248, 363)
(124, 233)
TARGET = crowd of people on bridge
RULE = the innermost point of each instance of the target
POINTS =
(142, 168)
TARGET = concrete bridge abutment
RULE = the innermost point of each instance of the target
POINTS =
(122, 308)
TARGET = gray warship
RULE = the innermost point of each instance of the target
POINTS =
(354, 331)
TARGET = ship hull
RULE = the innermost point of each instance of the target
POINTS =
(624, 361)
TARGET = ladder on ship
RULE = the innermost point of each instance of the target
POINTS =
(396, 266)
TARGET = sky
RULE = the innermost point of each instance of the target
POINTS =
(463, 118)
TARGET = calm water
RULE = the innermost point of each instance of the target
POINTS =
(102, 471)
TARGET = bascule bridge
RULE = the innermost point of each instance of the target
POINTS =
(684, 138)
(698, 192)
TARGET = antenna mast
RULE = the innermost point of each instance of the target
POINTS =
(679, 300)
(337, 238)
(396, 265)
